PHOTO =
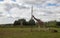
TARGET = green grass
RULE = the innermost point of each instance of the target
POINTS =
(26, 33)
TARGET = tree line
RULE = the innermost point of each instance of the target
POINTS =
(32, 22)
(24, 22)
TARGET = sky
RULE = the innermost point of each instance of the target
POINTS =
(45, 10)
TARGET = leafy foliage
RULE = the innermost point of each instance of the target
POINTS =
(58, 23)
(31, 22)
(24, 22)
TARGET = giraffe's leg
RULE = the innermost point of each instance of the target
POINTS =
(44, 27)
(39, 27)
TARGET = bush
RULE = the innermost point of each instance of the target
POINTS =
(58, 24)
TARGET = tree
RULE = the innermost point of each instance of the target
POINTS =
(58, 23)
(24, 22)
(20, 21)
(16, 23)
(31, 22)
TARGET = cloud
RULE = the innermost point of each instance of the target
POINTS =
(46, 10)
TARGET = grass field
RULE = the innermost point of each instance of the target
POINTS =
(26, 33)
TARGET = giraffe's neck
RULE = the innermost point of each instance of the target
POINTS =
(38, 20)
(35, 18)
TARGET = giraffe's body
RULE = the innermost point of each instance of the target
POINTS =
(39, 21)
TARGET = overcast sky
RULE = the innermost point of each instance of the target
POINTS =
(46, 10)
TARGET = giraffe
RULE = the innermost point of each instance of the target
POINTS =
(40, 23)
(38, 20)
